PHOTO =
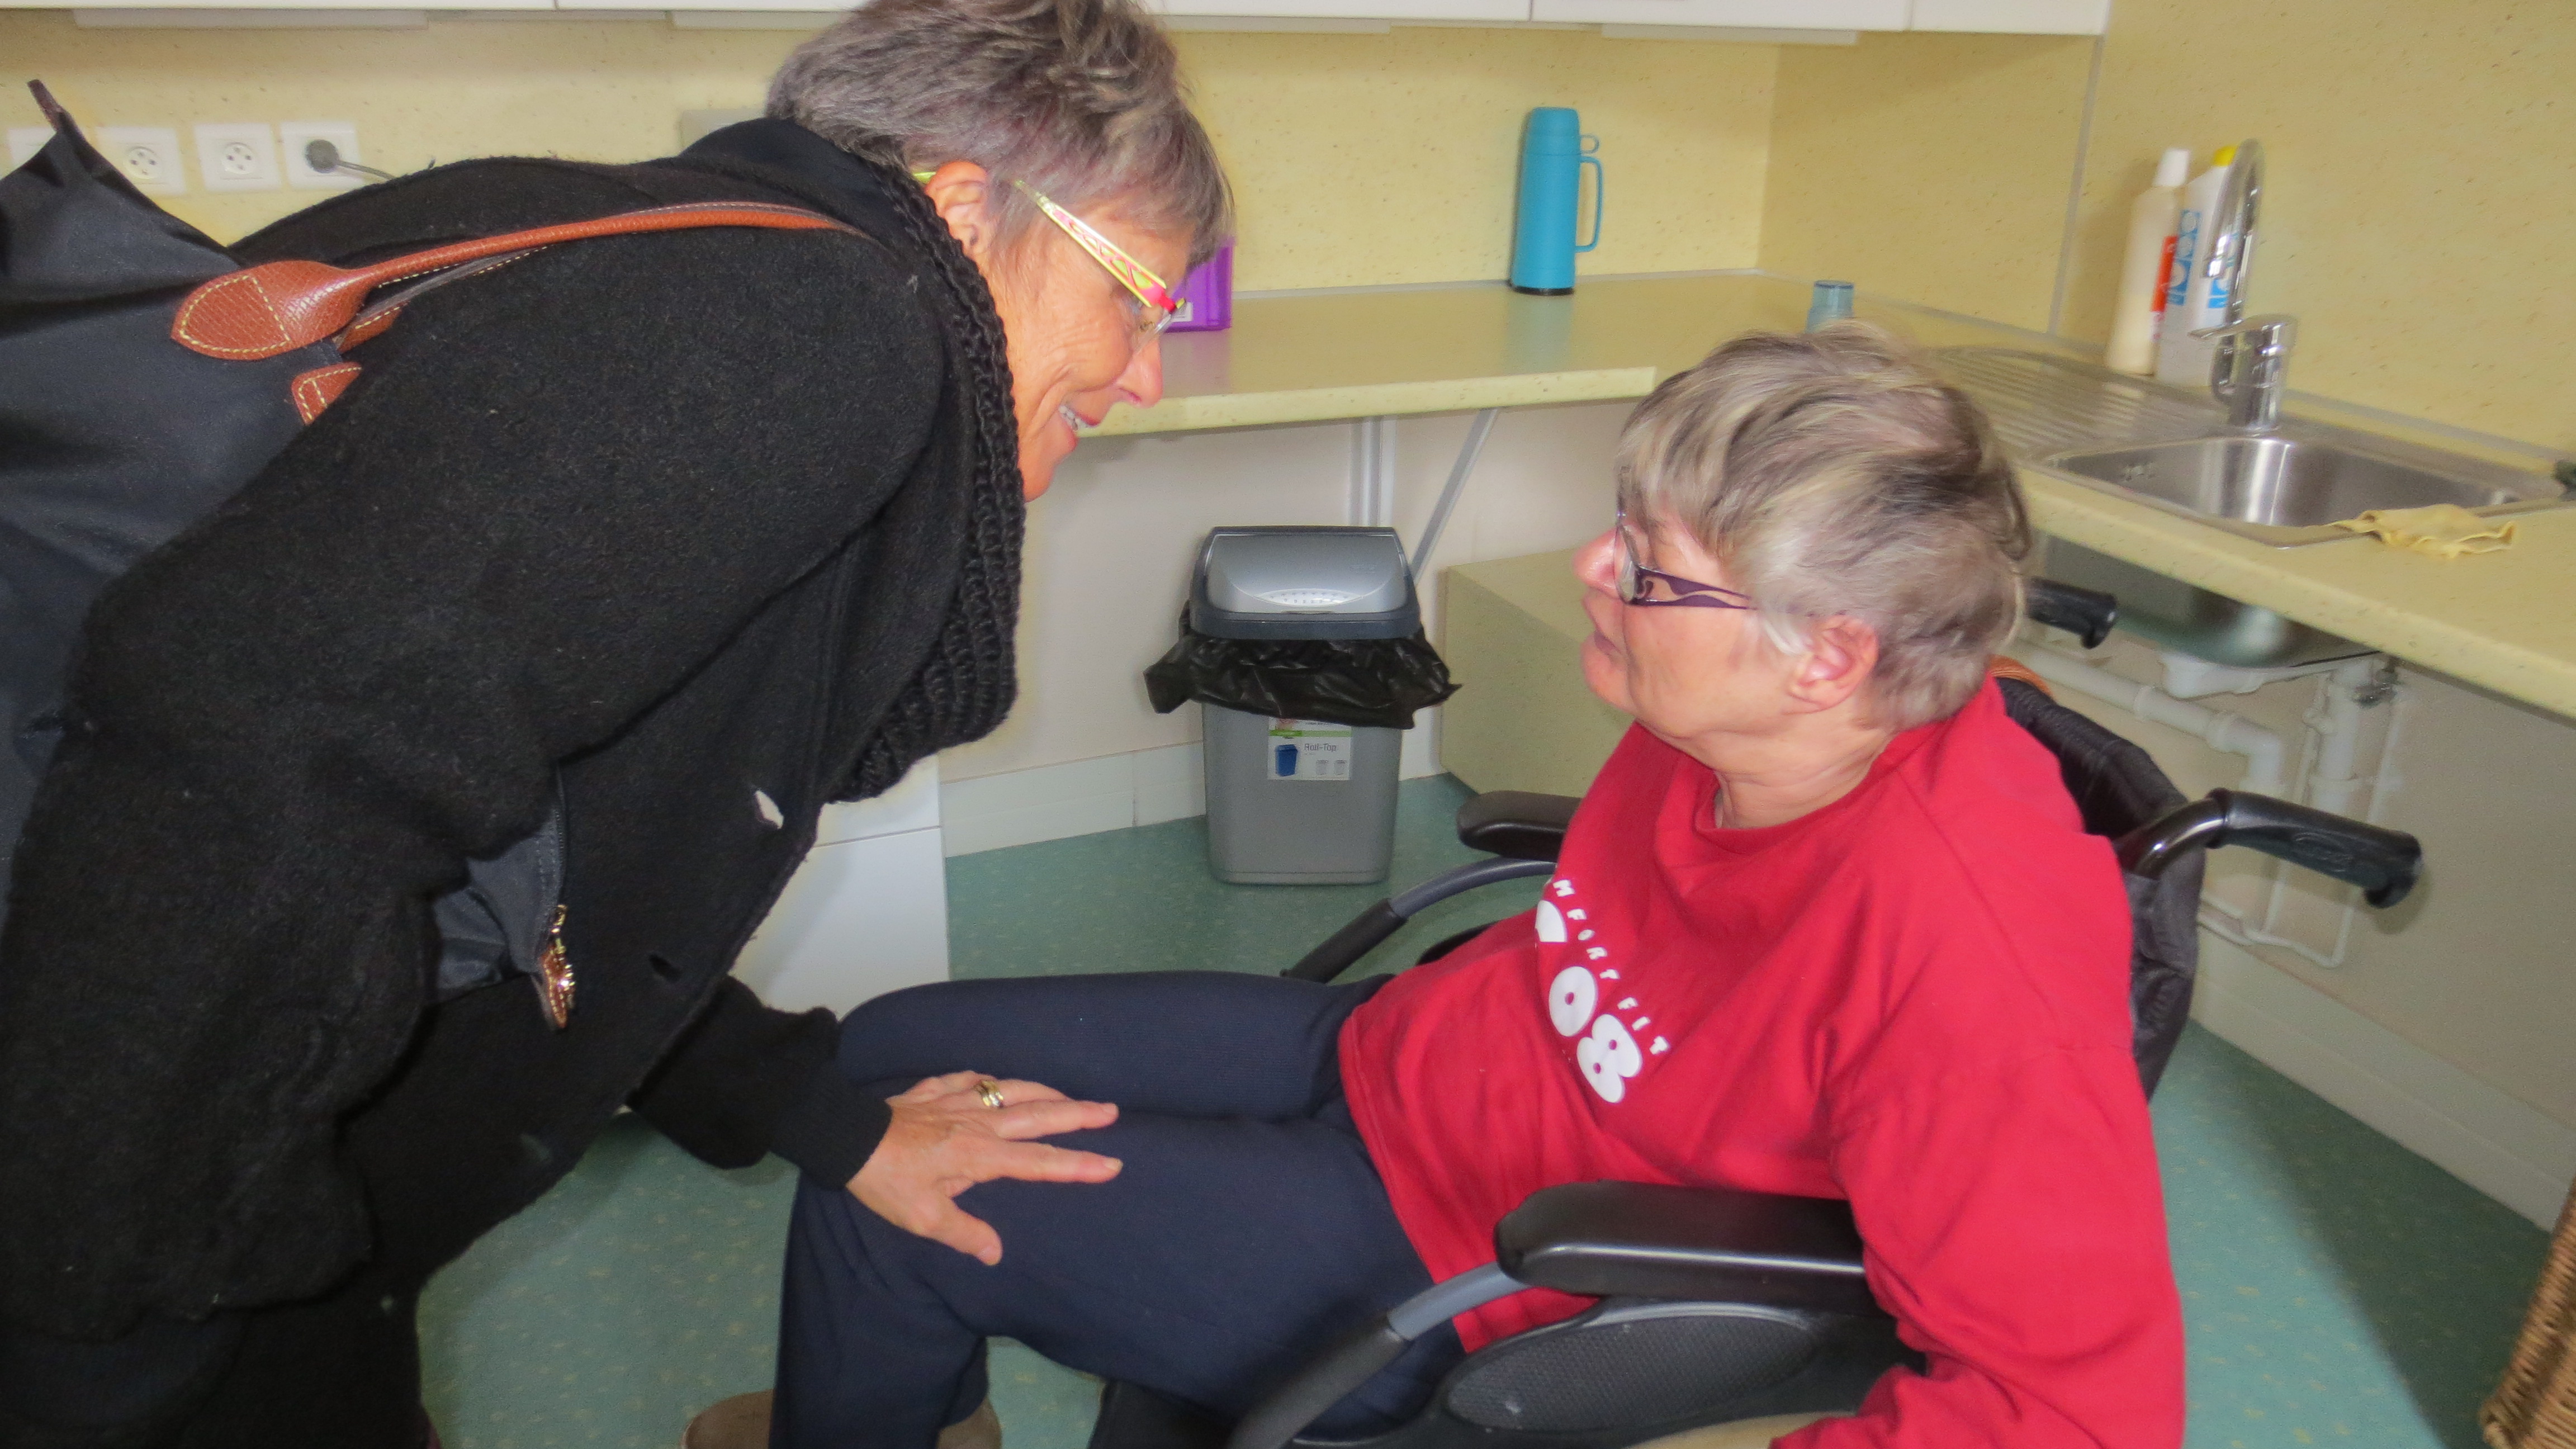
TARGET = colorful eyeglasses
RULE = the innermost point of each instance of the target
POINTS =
(1647, 588)
(1131, 273)
(1150, 292)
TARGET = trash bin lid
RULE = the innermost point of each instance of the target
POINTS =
(1288, 582)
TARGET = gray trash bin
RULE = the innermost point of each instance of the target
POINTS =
(1301, 802)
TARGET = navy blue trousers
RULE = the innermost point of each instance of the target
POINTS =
(1247, 1231)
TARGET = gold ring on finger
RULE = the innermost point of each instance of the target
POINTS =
(990, 1091)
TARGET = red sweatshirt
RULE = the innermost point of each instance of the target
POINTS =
(1915, 998)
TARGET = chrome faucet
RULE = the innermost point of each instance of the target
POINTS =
(2253, 356)
(2253, 362)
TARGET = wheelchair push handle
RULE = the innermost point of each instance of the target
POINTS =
(2088, 614)
(2384, 863)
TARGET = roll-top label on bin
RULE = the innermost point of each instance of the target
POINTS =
(1310, 749)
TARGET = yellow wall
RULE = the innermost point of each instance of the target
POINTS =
(1358, 158)
(1390, 158)
(2422, 173)
(591, 90)
(2421, 156)
(1933, 168)
(2422, 165)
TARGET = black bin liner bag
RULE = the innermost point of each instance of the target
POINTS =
(1376, 682)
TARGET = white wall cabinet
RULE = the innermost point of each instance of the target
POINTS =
(1783, 18)
(2013, 17)
(1731, 14)
(1487, 12)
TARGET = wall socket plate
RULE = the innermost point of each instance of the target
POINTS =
(149, 157)
(25, 142)
(238, 157)
(294, 136)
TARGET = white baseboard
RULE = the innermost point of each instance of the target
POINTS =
(2499, 1145)
(1081, 797)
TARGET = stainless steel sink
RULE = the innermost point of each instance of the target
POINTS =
(2170, 449)
(2282, 488)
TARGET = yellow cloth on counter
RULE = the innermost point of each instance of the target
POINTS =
(2444, 530)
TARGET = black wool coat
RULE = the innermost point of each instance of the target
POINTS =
(674, 518)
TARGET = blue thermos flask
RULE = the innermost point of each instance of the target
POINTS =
(1553, 152)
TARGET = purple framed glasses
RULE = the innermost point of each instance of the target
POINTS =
(1645, 588)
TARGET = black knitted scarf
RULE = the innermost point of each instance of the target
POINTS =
(967, 683)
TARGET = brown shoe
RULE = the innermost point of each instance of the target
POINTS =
(742, 1422)
(981, 1429)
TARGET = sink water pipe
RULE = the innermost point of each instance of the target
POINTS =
(2347, 689)
(2335, 722)
(2220, 730)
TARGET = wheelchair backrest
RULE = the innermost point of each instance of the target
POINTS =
(2118, 788)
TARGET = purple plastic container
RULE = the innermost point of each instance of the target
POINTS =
(1206, 295)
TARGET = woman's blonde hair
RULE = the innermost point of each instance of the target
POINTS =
(1832, 473)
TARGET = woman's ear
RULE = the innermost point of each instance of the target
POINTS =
(959, 191)
(1841, 652)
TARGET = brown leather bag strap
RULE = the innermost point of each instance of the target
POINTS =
(277, 307)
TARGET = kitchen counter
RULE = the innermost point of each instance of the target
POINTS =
(2503, 621)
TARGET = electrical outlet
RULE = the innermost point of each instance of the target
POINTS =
(294, 136)
(25, 142)
(238, 157)
(149, 157)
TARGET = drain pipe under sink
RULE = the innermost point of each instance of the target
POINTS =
(2262, 749)
(2352, 686)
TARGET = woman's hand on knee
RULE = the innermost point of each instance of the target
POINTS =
(947, 1136)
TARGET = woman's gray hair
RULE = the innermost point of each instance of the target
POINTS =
(1079, 99)
(1832, 473)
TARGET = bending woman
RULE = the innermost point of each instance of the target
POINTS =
(1826, 924)
(618, 563)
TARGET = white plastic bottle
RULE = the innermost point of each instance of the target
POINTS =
(2182, 359)
(2140, 304)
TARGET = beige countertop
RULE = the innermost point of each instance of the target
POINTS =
(2503, 621)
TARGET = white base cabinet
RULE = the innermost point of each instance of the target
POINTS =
(867, 913)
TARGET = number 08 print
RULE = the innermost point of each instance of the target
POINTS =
(1606, 1048)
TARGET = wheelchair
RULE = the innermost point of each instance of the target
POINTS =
(1722, 1307)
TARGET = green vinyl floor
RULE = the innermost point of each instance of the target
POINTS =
(2337, 1289)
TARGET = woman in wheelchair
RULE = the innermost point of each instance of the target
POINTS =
(1826, 924)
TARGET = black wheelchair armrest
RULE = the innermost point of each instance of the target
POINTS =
(1516, 823)
(1648, 1240)
(2384, 863)
(1603, 1240)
